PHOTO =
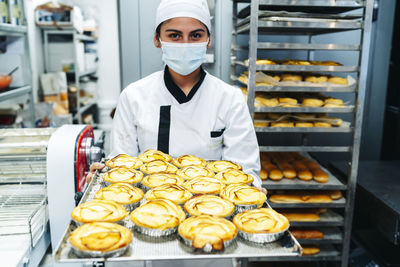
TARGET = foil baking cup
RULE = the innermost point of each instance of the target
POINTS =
(105, 183)
(77, 224)
(131, 206)
(262, 237)
(154, 232)
(241, 208)
(99, 254)
(208, 247)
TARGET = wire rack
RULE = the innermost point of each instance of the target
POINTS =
(23, 211)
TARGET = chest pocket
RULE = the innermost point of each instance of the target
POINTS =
(216, 138)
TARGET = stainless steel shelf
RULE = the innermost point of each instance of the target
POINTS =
(297, 184)
(345, 109)
(305, 46)
(303, 129)
(329, 218)
(327, 253)
(340, 203)
(298, 27)
(294, 88)
(13, 29)
(331, 236)
(312, 68)
(310, 3)
(12, 93)
(305, 148)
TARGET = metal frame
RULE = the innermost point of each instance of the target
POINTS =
(76, 37)
(22, 31)
(255, 26)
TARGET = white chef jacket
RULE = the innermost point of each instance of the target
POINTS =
(212, 122)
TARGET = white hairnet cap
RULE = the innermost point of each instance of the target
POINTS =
(197, 9)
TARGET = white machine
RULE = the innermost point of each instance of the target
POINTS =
(31, 161)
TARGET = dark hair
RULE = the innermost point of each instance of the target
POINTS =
(158, 29)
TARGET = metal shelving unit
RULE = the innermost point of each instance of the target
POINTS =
(77, 74)
(254, 20)
(12, 93)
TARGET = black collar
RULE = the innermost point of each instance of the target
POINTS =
(176, 91)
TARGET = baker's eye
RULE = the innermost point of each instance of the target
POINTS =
(196, 35)
(173, 35)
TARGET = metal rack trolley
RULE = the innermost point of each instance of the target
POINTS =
(76, 37)
(339, 227)
(11, 95)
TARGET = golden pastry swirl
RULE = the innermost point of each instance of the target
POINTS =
(234, 177)
(175, 193)
(123, 160)
(123, 175)
(158, 214)
(209, 205)
(191, 172)
(122, 193)
(242, 194)
(262, 220)
(152, 154)
(203, 185)
(189, 160)
(158, 179)
(206, 229)
(157, 166)
(222, 165)
(99, 211)
(100, 236)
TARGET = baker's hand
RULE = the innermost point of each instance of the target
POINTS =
(95, 166)
(262, 189)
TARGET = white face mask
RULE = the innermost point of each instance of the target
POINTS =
(183, 58)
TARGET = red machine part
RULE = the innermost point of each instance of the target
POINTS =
(81, 162)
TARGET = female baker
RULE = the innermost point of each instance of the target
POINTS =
(183, 110)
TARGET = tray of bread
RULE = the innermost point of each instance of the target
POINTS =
(159, 207)
(300, 82)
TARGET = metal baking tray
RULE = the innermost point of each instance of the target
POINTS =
(150, 248)
(332, 235)
(299, 46)
(339, 203)
(328, 218)
(305, 148)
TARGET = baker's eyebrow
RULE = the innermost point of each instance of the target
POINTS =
(198, 30)
(173, 30)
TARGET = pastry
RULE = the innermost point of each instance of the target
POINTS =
(157, 166)
(307, 234)
(99, 211)
(124, 161)
(241, 194)
(316, 79)
(188, 160)
(312, 102)
(303, 124)
(209, 205)
(123, 175)
(203, 185)
(338, 80)
(326, 63)
(301, 217)
(267, 102)
(320, 176)
(100, 236)
(122, 193)
(261, 124)
(152, 154)
(294, 198)
(296, 62)
(263, 174)
(157, 179)
(158, 214)
(173, 192)
(291, 78)
(310, 250)
(234, 177)
(287, 100)
(334, 101)
(206, 229)
(282, 124)
(262, 220)
(191, 172)
(322, 124)
(265, 62)
(222, 165)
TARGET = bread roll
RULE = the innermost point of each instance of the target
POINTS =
(261, 124)
(289, 198)
(288, 170)
(316, 79)
(334, 101)
(304, 124)
(296, 62)
(335, 194)
(305, 175)
(287, 100)
(322, 124)
(310, 250)
(301, 217)
(320, 176)
(307, 234)
(338, 80)
(282, 124)
(326, 63)
(291, 78)
(263, 174)
(312, 102)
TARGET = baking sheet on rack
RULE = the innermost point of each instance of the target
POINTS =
(148, 248)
